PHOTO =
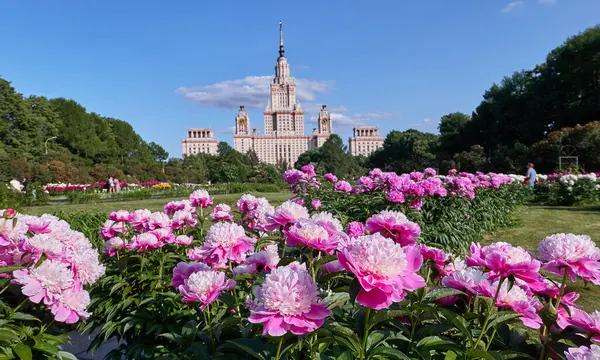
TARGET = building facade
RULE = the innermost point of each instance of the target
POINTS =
(365, 140)
(199, 141)
(284, 139)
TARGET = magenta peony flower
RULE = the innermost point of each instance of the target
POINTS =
(437, 256)
(294, 176)
(311, 234)
(588, 322)
(200, 198)
(183, 270)
(174, 206)
(316, 204)
(114, 246)
(36, 224)
(120, 216)
(144, 242)
(355, 229)
(288, 301)
(395, 225)
(285, 215)
(516, 299)
(429, 172)
(330, 177)
(224, 242)
(222, 212)
(503, 260)
(86, 265)
(111, 229)
(71, 307)
(44, 244)
(204, 286)
(164, 235)
(384, 269)
(576, 253)
(343, 186)
(583, 353)
(309, 170)
(140, 219)
(46, 282)
(395, 197)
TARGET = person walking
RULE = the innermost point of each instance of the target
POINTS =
(531, 175)
(111, 184)
(117, 185)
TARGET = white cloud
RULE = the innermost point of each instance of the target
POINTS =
(352, 120)
(427, 122)
(511, 6)
(229, 130)
(547, 2)
(251, 91)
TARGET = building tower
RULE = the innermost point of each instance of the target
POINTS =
(242, 138)
(283, 115)
(324, 126)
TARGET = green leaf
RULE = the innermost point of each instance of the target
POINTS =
(511, 282)
(458, 321)
(47, 348)
(437, 343)
(7, 269)
(502, 317)
(451, 355)
(388, 353)
(23, 351)
(432, 329)
(548, 314)
(479, 354)
(324, 260)
(286, 261)
(66, 355)
(252, 347)
(24, 317)
(346, 355)
(386, 315)
(8, 335)
(441, 293)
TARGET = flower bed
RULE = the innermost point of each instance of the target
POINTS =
(568, 189)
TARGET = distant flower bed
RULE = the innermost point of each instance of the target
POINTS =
(61, 187)
(568, 189)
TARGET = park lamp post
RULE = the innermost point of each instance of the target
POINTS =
(46, 143)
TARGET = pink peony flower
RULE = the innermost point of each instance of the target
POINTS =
(437, 256)
(583, 353)
(184, 240)
(224, 242)
(395, 225)
(576, 253)
(516, 299)
(355, 229)
(174, 206)
(316, 204)
(182, 219)
(330, 177)
(144, 242)
(467, 280)
(288, 301)
(111, 229)
(589, 322)
(222, 212)
(158, 220)
(46, 282)
(343, 186)
(200, 198)
(383, 268)
(86, 265)
(183, 271)
(326, 220)
(9, 213)
(294, 176)
(114, 246)
(164, 235)
(285, 215)
(71, 306)
(36, 224)
(503, 260)
(309, 170)
(204, 286)
(44, 244)
(265, 260)
(140, 218)
(311, 234)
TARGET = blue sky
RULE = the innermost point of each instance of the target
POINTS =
(165, 66)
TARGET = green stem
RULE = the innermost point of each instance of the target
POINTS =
(142, 263)
(284, 248)
(310, 265)
(206, 313)
(487, 318)
(413, 326)
(277, 357)
(491, 340)
(365, 334)
(546, 330)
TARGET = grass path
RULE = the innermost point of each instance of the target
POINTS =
(150, 204)
(534, 223)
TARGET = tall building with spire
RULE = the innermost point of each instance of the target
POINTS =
(284, 139)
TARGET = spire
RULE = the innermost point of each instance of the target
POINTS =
(281, 50)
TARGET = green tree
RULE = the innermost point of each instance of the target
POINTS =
(406, 151)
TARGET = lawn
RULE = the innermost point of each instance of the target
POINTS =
(274, 198)
(534, 223)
